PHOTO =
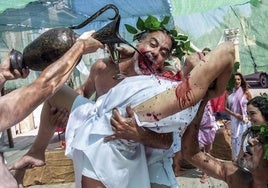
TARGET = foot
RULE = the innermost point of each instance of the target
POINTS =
(28, 161)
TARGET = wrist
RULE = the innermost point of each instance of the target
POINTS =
(80, 44)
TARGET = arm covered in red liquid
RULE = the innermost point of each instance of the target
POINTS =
(217, 65)
(220, 169)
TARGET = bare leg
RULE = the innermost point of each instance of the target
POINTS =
(36, 155)
(217, 65)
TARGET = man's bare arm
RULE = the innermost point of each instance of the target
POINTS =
(18, 104)
(192, 153)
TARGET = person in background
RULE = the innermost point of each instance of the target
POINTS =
(253, 159)
(258, 115)
(235, 106)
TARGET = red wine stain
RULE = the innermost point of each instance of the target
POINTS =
(183, 92)
(154, 116)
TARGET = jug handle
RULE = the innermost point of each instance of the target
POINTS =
(98, 13)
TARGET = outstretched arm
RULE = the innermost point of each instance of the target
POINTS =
(21, 102)
(203, 161)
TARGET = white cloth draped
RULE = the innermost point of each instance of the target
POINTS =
(118, 163)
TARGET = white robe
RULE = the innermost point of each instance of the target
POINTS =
(118, 163)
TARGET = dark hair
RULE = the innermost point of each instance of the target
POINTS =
(262, 104)
(244, 83)
(206, 49)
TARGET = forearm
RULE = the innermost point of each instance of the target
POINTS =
(230, 112)
(21, 102)
(156, 140)
(190, 144)
(54, 76)
(192, 153)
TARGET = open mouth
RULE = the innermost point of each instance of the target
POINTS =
(146, 62)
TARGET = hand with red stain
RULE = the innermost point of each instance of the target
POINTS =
(127, 128)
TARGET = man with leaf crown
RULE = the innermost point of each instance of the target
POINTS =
(161, 104)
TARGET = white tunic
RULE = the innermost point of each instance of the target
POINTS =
(118, 163)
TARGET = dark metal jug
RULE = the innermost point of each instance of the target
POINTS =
(52, 44)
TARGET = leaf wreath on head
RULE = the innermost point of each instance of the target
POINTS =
(264, 95)
(181, 44)
(263, 137)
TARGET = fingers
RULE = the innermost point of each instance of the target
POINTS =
(25, 72)
(116, 116)
(130, 111)
(86, 35)
(16, 73)
(110, 138)
(125, 51)
(61, 117)
(91, 44)
(27, 162)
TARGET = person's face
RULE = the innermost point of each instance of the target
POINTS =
(237, 81)
(252, 158)
(156, 47)
(254, 115)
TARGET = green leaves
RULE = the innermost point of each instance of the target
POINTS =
(150, 24)
(181, 45)
(264, 95)
(131, 29)
(263, 136)
(140, 24)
